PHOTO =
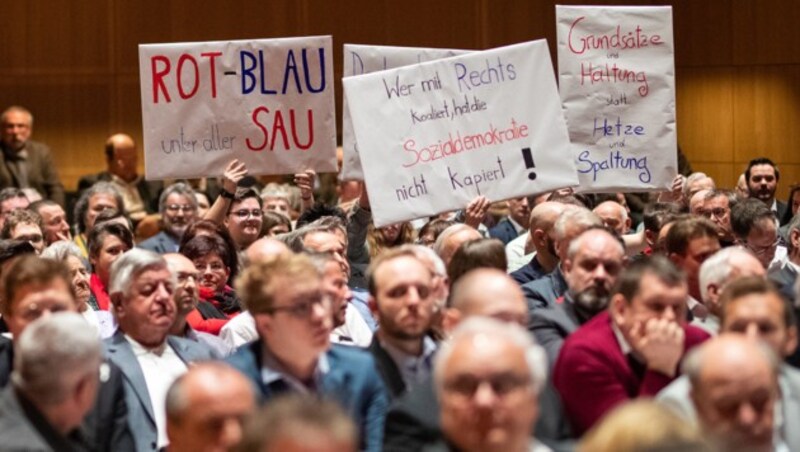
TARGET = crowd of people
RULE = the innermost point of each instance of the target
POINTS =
(227, 314)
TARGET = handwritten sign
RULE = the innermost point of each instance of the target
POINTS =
(363, 59)
(435, 135)
(269, 103)
(617, 81)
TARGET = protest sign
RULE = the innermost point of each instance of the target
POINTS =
(617, 83)
(435, 135)
(268, 103)
(363, 59)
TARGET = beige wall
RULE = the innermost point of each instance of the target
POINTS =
(74, 63)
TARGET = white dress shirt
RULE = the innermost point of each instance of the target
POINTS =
(239, 330)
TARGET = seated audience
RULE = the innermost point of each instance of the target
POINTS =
(54, 221)
(178, 208)
(24, 225)
(12, 199)
(542, 239)
(95, 199)
(107, 242)
(515, 223)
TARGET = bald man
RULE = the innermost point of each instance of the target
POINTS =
(122, 159)
(542, 238)
(265, 248)
(206, 407)
(614, 216)
(453, 237)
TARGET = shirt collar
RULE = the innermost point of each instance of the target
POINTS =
(118, 180)
(141, 350)
(272, 371)
(518, 227)
(623, 344)
(404, 359)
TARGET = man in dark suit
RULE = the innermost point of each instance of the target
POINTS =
(25, 163)
(53, 387)
(546, 290)
(762, 178)
(632, 350)
(515, 223)
(401, 297)
(293, 354)
(140, 196)
(141, 289)
(594, 260)
(542, 237)
(178, 207)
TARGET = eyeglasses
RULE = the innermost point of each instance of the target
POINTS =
(303, 309)
(718, 212)
(186, 208)
(502, 385)
(243, 214)
(761, 250)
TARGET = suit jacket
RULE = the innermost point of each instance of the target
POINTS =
(351, 381)
(593, 376)
(551, 326)
(141, 419)
(149, 191)
(544, 291)
(784, 279)
(504, 231)
(529, 272)
(42, 173)
(161, 243)
(782, 208)
(387, 369)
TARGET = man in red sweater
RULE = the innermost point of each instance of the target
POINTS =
(633, 350)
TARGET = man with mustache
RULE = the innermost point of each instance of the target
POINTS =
(178, 208)
(141, 289)
(594, 259)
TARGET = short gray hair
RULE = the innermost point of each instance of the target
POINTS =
(717, 268)
(178, 188)
(438, 246)
(793, 224)
(692, 365)
(535, 356)
(53, 354)
(61, 250)
(130, 265)
(696, 176)
(575, 216)
(575, 245)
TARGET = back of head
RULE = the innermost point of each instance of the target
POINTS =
(479, 253)
(686, 230)
(489, 292)
(720, 267)
(746, 215)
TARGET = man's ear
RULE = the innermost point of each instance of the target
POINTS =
(791, 341)
(794, 238)
(617, 308)
(566, 266)
(650, 238)
(450, 319)
(676, 259)
(373, 305)
(117, 301)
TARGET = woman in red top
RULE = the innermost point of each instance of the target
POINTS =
(106, 241)
(213, 258)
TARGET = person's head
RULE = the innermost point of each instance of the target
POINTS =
(478, 253)
(519, 210)
(264, 249)
(793, 236)
(54, 220)
(716, 206)
(697, 201)
(756, 228)
(614, 216)
(696, 182)
(655, 216)
(211, 257)
(245, 217)
(741, 189)
(97, 198)
(10, 251)
(298, 423)
(121, 156)
(486, 292)
(34, 287)
(206, 408)
(275, 223)
(572, 223)
(334, 284)
(318, 211)
(286, 298)
(70, 255)
(594, 259)
(186, 283)
(276, 199)
(794, 200)
(391, 235)
(57, 366)
(762, 178)
(24, 225)
(689, 242)
(440, 289)
(208, 227)
(322, 239)
(11, 199)
(202, 203)
(106, 243)
(452, 238)
(400, 294)
(17, 126)
(542, 230)
(178, 208)
(643, 425)
(430, 231)
(754, 307)
(141, 289)
(487, 377)
(648, 289)
(113, 216)
(734, 385)
(726, 265)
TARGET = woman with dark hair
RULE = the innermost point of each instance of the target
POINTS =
(792, 205)
(275, 223)
(430, 231)
(207, 227)
(218, 302)
(389, 236)
(478, 253)
(107, 241)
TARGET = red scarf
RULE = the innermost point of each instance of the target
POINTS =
(100, 294)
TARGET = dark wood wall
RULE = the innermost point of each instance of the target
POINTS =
(75, 63)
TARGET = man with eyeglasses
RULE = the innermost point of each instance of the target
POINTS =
(756, 227)
(178, 208)
(401, 299)
(488, 377)
(293, 353)
(716, 206)
(24, 225)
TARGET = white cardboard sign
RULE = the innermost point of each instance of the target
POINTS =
(435, 135)
(269, 103)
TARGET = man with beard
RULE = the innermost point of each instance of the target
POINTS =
(178, 208)
(401, 298)
(594, 260)
(762, 178)
(542, 238)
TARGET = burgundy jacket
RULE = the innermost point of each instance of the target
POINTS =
(593, 376)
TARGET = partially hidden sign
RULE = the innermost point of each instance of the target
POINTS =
(363, 59)
(435, 135)
(617, 84)
(268, 103)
